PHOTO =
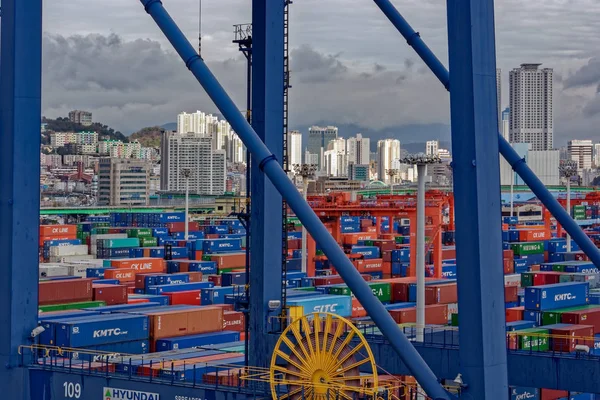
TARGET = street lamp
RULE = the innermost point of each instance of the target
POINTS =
(421, 161)
(186, 173)
(306, 171)
(392, 172)
(568, 169)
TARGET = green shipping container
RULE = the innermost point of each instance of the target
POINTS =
(148, 241)
(533, 339)
(399, 239)
(368, 243)
(454, 319)
(320, 253)
(307, 289)
(526, 248)
(527, 279)
(139, 233)
(381, 290)
(552, 317)
(71, 306)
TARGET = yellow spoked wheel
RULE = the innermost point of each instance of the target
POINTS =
(322, 356)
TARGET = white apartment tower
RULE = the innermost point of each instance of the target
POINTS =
(358, 149)
(597, 155)
(193, 151)
(294, 147)
(388, 154)
(432, 147)
(531, 118)
(581, 151)
(499, 97)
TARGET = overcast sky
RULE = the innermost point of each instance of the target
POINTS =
(349, 65)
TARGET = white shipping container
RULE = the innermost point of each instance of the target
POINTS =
(77, 250)
(78, 270)
(452, 309)
(95, 262)
(52, 270)
(512, 280)
(67, 259)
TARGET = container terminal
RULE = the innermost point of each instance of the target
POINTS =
(421, 295)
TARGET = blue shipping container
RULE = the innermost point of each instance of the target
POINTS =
(180, 287)
(524, 393)
(205, 339)
(341, 305)
(215, 295)
(561, 295)
(102, 329)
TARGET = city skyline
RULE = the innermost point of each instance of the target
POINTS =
(333, 81)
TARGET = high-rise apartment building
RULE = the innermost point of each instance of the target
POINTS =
(194, 152)
(505, 131)
(358, 172)
(294, 147)
(432, 147)
(597, 155)
(358, 149)
(310, 158)
(123, 181)
(318, 140)
(335, 163)
(80, 117)
(388, 155)
(581, 151)
(531, 118)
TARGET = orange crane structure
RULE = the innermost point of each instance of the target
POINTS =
(590, 199)
(331, 207)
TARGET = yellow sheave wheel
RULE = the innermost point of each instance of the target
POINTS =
(320, 356)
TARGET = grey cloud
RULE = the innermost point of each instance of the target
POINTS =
(379, 68)
(408, 63)
(313, 66)
(586, 76)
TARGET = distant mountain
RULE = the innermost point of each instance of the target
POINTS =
(170, 126)
(148, 137)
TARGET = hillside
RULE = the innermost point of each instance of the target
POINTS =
(148, 137)
(65, 125)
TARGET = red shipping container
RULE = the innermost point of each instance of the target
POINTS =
(212, 235)
(365, 223)
(58, 230)
(227, 377)
(137, 301)
(534, 235)
(511, 294)
(551, 394)
(225, 307)
(226, 261)
(180, 226)
(110, 294)
(294, 244)
(371, 265)
(140, 264)
(334, 279)
(185, 322)
(122, 274)
(387, 268)
(546, 278)
(216, 279)
(583, 317)
(441, 294)
(195, 276)
(386, 255)
(358, 310)
(509, 266)
(514, 314)
(385, 245)
(154, 368)
(436, 314)
(567, 338)
(190, 297)
(243, 336)
(233, 321)
(67, 291)
(508, 254)
(448, 253)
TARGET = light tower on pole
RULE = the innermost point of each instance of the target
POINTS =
(392, 172)
(306, 171)
(187, 173)
(568, 169)
(421, 161)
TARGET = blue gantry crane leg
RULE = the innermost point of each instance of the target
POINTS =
(517, 163)
(267, 122)
(20, 109)
(268, 164)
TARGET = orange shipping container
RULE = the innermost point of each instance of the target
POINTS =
(434, 315)
(156, 265)
(514, 314)
(186, 322)
(122, 274)
(225, 261)
(534, 235)
(58, 230)
(358, 310)
(371, 265)
(353, 238)
(137, 301)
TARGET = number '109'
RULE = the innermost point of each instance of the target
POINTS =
(72, 390)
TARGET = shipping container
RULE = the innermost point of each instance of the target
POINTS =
(340, 305)
(179, 287)
(140, 264)
(527, 248)
(58, 230)
(185, 322)
(122, 274)
(110, 294)
(566, 337)
(524, 393)
(205, 339)
(549, 297)
(74, 290)
(101, 329)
